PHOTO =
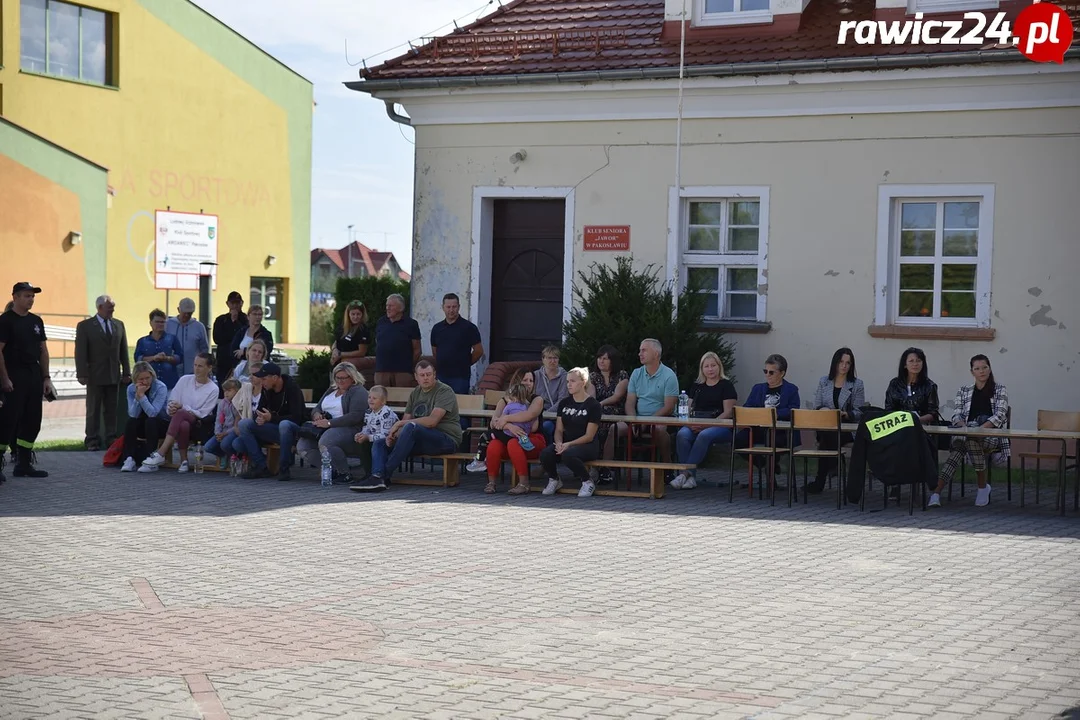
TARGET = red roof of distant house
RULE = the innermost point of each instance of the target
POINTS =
(527, 37)
(374, 260)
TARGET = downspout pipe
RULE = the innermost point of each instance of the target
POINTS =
(395, 115)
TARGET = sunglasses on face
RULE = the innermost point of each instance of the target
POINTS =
(771, 372)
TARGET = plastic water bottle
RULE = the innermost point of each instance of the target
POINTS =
(327, 473)
(198, 458)
(684, 406)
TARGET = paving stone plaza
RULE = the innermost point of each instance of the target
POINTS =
(204, 596)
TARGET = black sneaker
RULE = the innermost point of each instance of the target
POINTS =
(341, 478)
(256, 473)
(373, 483)
(605, 476)
(817, 486)
(284, 475)
(2, 478)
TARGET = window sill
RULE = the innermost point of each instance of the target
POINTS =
(917, 332)
(752, 327)
(750, 17)
(61, 78)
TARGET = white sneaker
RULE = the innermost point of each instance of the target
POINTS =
(689, 483)
(934, 501)
(982, 497)
(677, 483)
(144, 468)
(183, 467)
(553, 487)
(129, 465)
(154, 460)
(587, 489)
(476, 466)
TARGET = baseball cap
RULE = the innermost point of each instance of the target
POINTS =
(187, 305)
(235, 297)
(22, 286)
(268, 369)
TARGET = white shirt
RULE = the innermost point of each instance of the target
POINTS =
(255, 403)
(199, 400)
(331, 405)
(106, 326)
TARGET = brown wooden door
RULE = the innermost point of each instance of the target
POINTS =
(526, 277)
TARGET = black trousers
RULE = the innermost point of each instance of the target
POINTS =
(101, 401)
(827, 441)
(20, 417)
(573, 457)
(148, 428)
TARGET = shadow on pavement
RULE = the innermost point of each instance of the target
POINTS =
(80, 486)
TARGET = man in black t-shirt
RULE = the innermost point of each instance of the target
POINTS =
(226, 327)
(456, 346)
(24, 379)
(397, 345)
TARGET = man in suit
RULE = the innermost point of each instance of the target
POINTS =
(101, 364)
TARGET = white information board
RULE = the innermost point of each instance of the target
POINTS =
(182, 241)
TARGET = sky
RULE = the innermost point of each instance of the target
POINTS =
(362, 162)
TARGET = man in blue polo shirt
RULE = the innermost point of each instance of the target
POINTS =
(456, 346)
(397, 345)
(653, 390)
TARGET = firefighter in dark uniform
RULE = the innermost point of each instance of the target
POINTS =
(24, 379)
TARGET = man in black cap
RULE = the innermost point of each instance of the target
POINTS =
(277, 420)
(225, 328)
(24, 379)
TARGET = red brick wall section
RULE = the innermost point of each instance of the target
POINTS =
(497, 376)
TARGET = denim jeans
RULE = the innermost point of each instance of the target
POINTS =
(693, 447)
(412, 439)
(548, 428)
(222, 449)
(253, 435)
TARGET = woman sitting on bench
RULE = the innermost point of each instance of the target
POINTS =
(575, 435)
(506, 441)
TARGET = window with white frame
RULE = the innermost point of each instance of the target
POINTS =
(731, 12)
(934, 251)
(723, 250)
(65, 40)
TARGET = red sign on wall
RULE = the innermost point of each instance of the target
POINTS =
(607, 237)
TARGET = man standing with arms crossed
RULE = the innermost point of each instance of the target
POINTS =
(24, 379)
(456, 346)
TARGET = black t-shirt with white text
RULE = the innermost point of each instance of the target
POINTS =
(576, 416)
(22, 336)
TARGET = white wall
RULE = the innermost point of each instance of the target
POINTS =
(823, 172)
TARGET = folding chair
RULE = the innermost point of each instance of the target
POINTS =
(817, 420)
(750, 419)
(1052, 420)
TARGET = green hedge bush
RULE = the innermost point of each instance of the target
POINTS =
(372, 291)
(622, 306)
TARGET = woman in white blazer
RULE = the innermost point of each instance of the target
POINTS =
(247, 399)
(839, 390)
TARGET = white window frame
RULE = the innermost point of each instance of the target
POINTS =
(887, 282)
(680, 257)
(949, 6)
(737, 17)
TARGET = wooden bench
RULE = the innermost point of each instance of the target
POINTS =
(656, 477)
(451, 470)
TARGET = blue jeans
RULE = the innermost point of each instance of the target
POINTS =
(548, 428)
(222, 449)
(693, 447)
(412, 439)
(253, 435)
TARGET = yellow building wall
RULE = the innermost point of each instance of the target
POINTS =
(183, 131)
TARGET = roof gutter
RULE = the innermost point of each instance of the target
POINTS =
(395, 115)
(885, 62)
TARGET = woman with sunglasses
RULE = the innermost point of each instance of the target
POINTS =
(351, 338)
(775, 392)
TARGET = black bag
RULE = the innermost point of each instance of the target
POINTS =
(941, 441)
(706, 414)
(309, 431)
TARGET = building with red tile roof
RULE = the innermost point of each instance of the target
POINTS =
(353, 260)
(823, 186)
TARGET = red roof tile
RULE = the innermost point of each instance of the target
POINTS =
(333, 256)
(564, 36)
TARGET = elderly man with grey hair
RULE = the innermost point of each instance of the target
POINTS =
(653, 390)
(102, 363)
(397, 345)
(190, 332)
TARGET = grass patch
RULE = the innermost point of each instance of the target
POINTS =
(59, 446)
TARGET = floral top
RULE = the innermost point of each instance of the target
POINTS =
(603, 392)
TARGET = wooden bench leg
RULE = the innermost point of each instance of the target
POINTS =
(656, 483)
(451, 473)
